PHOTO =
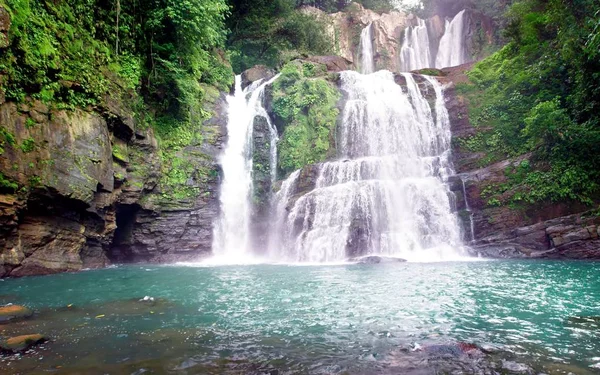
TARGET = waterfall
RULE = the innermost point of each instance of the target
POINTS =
(231, 231)
(367, 64)
(416, 50)
(452, 44)
(385, 194)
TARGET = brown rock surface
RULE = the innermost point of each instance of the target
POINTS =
(20, 343)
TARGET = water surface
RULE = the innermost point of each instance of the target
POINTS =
(354, 319)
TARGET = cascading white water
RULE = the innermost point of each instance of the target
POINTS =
(452, 45)
(231, 231)
(416, 50)
(367, 64)
(385, 195)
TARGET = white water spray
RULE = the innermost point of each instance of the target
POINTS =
(231, 231)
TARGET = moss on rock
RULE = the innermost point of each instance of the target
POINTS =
(307, 106)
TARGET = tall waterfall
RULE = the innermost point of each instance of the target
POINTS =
(385, 194)
(416, 50)
(367, 64)
(452, 44)
(231, 231)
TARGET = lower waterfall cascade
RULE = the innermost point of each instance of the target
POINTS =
(385, 193)
(231, 232)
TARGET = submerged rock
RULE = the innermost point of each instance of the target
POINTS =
(20, 343)
(12, 312)
(374, 259)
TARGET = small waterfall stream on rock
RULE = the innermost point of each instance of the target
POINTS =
(367, 64)
(385, 195)
(231, 231)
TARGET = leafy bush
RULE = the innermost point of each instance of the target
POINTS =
(308, 108)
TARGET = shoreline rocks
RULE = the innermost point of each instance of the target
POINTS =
(23, 342)
(14, 312)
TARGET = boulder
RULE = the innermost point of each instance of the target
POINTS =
(333, 63)
(20, 343)
(12, 312)
(256, 73)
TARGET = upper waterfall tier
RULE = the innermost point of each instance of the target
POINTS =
(385, 194)
(421, 48)
(367, 65)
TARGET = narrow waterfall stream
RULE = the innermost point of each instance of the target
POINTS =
(367, 64)
(231, 231)
(385, 194)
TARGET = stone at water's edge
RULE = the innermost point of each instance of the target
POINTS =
(12, 312)
(20, 343)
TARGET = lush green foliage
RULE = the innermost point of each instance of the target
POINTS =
(308, 108)
(541, 95)
(72, 52)
(272, 32)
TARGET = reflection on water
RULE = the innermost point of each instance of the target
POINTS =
(357, 319)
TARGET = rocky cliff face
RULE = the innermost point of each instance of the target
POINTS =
(80, 189)
(549, 230)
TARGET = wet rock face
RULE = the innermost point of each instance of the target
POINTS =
(261, 176)
(61, 220)
(90, 175)
(5, 23)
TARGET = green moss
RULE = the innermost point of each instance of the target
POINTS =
(28, 145)
(308, 108)
(431, 72)
(6, 138)
(119, 152)
(29, 123)
(7, 185)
